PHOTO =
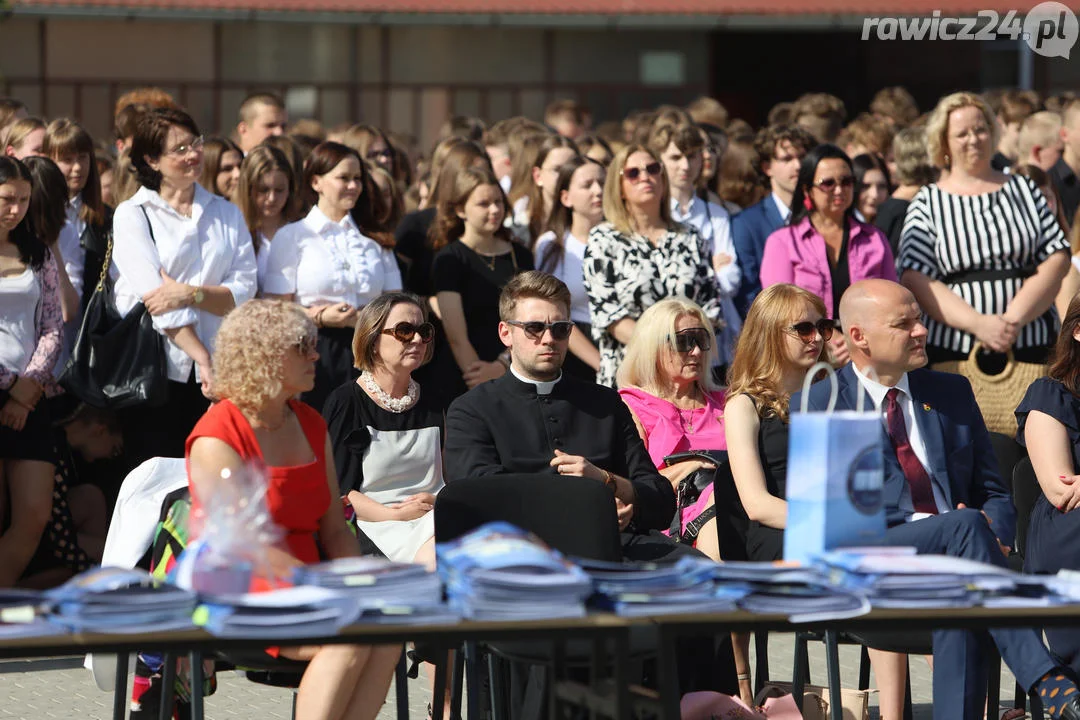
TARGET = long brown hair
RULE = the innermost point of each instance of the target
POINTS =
(537, 221)
(448, 227)
(561, 217)
(1064, 363)
(260, 161)
(214, 149)
(758, 367)
(65, 137)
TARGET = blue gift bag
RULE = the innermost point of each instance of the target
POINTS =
(834, 479)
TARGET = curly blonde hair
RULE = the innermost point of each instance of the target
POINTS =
(249, 348)
(937, 128)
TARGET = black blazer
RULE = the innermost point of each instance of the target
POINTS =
(503, 427)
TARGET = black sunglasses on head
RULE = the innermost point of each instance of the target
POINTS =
(805, 330)
(560, 329)
(685, 341)
(404, 331)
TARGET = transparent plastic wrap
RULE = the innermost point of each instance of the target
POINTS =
(236, 549)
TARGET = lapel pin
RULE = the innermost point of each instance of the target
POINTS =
(925, 407)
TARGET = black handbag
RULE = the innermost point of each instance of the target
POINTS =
(118, 361)
(690, 489)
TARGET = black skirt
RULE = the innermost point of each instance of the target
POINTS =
(335, 364)
(34, 441)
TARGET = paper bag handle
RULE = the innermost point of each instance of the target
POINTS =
(834, 388)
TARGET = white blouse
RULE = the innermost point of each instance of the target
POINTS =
(210, 248)
(570, 270)
(321, 261)
(262, 254)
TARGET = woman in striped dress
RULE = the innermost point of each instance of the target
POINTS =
(981, 250)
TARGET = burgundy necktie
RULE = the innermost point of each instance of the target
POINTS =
(922, 495)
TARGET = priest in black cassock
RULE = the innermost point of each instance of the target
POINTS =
(535, 419)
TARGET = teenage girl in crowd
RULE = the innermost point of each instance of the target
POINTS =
(578, 208)
(264, 194)
(326, 263)
(221, 166)
(475, 259)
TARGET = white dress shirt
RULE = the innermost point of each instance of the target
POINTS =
(877, 393)
(71, 244)
(713, 225)
(210, 248)
(570, 270)
(784, 210)
(321, 261)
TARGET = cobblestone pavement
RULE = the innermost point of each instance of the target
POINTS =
(62, 689)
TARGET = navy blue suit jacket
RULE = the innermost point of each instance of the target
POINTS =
(749, 231)
(962, 460)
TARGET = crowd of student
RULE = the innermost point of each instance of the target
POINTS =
(698, 266)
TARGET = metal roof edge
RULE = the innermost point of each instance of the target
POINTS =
(734, 22)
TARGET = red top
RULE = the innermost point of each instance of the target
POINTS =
(298, 495)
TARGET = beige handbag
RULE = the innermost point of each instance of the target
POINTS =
(855, 703)
(997, 395)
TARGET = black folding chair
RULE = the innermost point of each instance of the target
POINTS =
(573, 515)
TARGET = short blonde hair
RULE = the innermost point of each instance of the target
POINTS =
(249, 348)
(653, 335)
(1042, 128)
(937, 128)
(615, 205)
(913, 165)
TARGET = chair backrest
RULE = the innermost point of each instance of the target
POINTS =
(1026, 492)
(732, 522)
(574, 515)
(1008, 452)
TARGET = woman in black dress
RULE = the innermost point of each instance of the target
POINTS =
(786, 332)
(475, 259)
(1049, 426)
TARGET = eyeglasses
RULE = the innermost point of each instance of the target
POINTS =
(806, 330)
(376, 154)
(306, 345)
(560, 329)
(684, 341)
(404, 331)
(829, 184)
(195, 145)
(633, 174)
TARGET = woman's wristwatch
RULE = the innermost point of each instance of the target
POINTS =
(197, 295)
(609, 480)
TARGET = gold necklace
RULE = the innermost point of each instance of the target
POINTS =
(489, 260)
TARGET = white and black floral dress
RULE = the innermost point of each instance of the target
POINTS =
(626, 274)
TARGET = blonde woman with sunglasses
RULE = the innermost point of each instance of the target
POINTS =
(640, 256)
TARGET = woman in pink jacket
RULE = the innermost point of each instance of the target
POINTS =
(824, 249)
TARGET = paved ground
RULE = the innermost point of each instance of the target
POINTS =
(62, 689)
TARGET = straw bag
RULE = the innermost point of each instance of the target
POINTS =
(997, 395)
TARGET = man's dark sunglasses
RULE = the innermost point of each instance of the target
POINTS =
(560, 329)
(404, 331)
(685, 341)
(805, 330)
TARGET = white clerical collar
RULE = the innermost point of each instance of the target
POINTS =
(876, 390)
(542, 387)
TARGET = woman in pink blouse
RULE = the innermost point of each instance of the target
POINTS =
(665, 380)
(824, 249)
(31, 325)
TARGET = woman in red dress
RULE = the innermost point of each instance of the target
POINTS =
(265, 356)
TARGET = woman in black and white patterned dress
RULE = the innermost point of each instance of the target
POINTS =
(980, 250)
(640, 256)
